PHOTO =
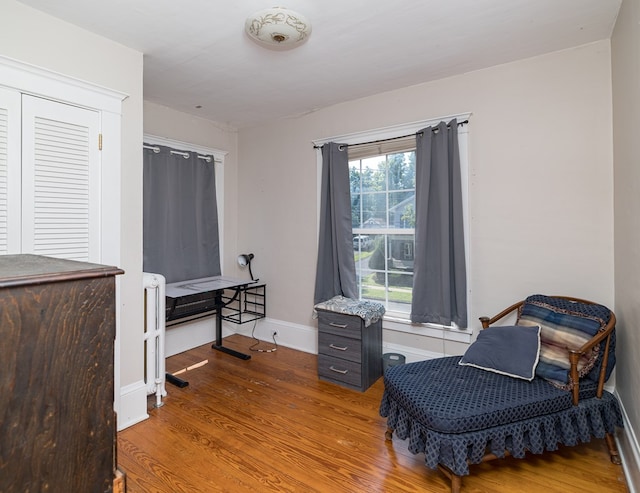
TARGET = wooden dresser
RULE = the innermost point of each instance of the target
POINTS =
(349, 354)
(57, 330)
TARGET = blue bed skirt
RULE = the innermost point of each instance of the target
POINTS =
(593, 417)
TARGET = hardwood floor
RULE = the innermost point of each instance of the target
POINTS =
(269, 425)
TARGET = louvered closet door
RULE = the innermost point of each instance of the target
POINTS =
(10, 192)
(60, 180)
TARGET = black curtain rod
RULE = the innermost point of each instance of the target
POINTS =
(434, 129)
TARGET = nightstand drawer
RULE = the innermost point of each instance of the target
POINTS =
(340, 371)
(340, 324)
(340, 347)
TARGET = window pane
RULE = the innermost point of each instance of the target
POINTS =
(354, 176)
(374, 210)
(400, 249)
(383, 197)
(356, 218)
(374, 176)
(372, 287)
(400, 292)
(402, 209)
(402, 171)
(362, 243)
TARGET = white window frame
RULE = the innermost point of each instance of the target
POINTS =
(458, 334)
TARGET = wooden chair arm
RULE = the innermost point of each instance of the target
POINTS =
(574, 357)
(486, 321)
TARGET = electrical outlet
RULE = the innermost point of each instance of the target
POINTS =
(275, 333)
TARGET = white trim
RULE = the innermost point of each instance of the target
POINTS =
(428, 330)
(304, 337)
(30, 79)
(188, 335)
(11, 100)
(411, 354)
(390, 132)
(110, 189)
(133, 404)
(295, 336)
(629, 449)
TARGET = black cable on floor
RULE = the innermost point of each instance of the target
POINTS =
(253, 348)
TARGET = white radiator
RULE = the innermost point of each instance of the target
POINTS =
(154, 329)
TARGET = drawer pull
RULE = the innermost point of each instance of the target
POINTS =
(333, 346)
(343, 372)
(340, 326)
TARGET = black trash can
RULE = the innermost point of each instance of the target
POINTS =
(392, 359)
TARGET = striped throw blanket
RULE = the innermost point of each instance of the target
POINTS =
(564, 324)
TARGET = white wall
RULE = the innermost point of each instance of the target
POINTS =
(541, 196)
(39, 39)
(625, 45)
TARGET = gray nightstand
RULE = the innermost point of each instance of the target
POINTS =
(349, 354)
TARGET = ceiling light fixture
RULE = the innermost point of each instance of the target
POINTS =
(278, 28)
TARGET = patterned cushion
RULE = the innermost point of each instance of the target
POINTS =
(564, 324)
(446, 397)
(369, 311)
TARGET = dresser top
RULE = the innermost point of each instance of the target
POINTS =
(25, 269)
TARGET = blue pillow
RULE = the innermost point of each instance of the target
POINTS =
(511, 350)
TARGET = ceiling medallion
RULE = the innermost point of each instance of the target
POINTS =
(278, 28)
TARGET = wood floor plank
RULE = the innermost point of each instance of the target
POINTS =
(269, 425)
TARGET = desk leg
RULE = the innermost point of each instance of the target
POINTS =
(218, 344)
(178, 382)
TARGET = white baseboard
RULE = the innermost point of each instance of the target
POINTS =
(294, 336)
(133, 404)
(182, 337)
(411, 354)
(304, 338)
(629, 450)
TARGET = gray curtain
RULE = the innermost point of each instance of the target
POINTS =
(439, 276)
(336, 269)
(180, 216)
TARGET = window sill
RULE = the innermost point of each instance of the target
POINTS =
(391, 322)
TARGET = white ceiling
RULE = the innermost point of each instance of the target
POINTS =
(197, 54)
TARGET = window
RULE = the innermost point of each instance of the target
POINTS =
(383, 219)
(382, 188)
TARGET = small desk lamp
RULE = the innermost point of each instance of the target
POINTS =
(244, 260)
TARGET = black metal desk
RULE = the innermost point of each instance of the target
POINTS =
(204, 295)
